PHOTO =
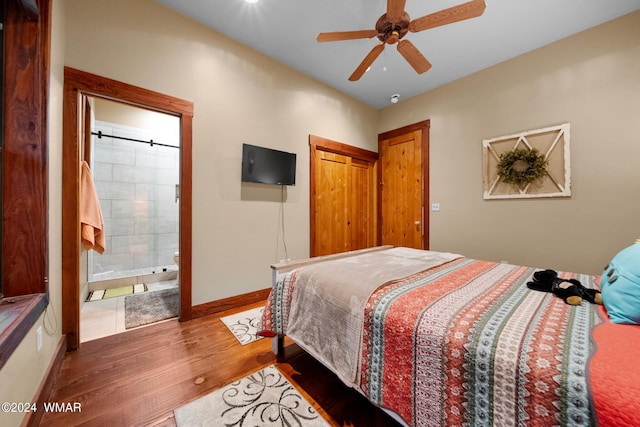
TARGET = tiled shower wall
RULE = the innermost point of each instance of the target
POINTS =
(136, 184)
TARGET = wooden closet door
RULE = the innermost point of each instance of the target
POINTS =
(344, 196)
(331, 203)
(361, 214)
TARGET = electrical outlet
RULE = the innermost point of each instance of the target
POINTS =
(435, 207)
(39, 338)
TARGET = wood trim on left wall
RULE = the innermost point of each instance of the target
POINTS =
(25, 152)
(25, 157)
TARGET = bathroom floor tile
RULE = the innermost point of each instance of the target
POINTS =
(105, 317)
(97, 319)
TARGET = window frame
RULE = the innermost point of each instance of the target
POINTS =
(25, 250)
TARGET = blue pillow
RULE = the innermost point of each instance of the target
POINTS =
(620, 285)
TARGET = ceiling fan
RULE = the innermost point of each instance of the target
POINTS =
(395, 24)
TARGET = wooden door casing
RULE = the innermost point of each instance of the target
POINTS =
(343, 199)
(76, 84)
(404, 184)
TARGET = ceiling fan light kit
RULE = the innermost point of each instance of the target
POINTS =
(395, 24)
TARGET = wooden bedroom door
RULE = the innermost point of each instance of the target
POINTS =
(403, 155)
(343, 197)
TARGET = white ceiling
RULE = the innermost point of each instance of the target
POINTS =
(286, 30)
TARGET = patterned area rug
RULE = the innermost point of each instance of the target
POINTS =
(244, 325)
(151, 307)
(264, 398)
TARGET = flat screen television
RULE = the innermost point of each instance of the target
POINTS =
(268, 166)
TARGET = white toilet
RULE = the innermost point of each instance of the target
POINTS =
(176, 259)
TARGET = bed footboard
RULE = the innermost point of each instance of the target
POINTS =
(285, 267)
(277, 270)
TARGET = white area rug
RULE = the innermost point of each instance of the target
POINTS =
(264, 398)
(244, 325)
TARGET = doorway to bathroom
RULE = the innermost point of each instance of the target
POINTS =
(133, 156)
(79, 88)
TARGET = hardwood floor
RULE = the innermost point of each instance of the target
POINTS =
(139, 377)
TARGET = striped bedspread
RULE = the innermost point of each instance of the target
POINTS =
(467, 343)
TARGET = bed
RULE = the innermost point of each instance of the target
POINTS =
(438, 339)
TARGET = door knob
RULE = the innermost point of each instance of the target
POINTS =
(416, 222)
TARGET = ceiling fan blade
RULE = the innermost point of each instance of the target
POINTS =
(413, 56)
(468, 10)
(366, 62)
(346, 35)
(395, 9)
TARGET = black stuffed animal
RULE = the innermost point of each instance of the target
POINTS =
(571, 291)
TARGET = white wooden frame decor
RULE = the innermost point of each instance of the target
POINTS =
(552, 142)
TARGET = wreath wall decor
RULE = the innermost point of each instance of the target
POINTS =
(521, 166)
(528, 164)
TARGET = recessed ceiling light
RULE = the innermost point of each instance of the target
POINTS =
(251, 1)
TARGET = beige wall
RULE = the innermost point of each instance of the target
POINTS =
(240, 96)
(20, 377)
(591, 80)
(166, 127)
